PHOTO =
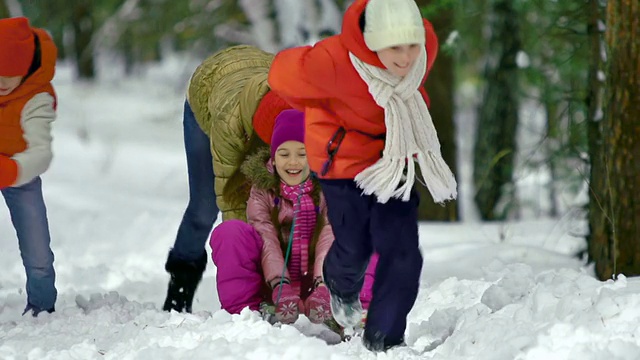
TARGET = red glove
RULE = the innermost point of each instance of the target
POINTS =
(287, 303)
(318, 305)
(8, 171)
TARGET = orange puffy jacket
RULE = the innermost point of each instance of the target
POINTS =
(344, 127)
(12, 140)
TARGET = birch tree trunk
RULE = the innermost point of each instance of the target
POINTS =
(278, 24)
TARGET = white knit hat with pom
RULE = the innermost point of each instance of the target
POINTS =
(392, 22)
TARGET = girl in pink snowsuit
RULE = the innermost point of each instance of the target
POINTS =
(287, 224)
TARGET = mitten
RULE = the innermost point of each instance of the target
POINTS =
(287, 302)
(318, 305)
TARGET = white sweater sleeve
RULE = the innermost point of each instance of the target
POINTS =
(36, 118)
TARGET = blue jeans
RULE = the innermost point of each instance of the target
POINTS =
(202, 210)
(29, 218)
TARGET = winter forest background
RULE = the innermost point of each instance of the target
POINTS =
(552, 87)
(536, 102)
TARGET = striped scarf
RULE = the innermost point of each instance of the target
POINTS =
(304, 214)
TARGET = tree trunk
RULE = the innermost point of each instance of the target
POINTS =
(128, 51)
(440, 87)
(57, 34)
(83, 27)
(4, 10)
(598, 223)
(551, 111)
(615, 246)
(495, 146)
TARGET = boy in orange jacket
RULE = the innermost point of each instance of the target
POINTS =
(27, 108)
(367, 126)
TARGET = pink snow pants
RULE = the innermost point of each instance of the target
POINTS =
(236, 249)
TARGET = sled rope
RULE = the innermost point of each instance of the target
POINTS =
(289, 245)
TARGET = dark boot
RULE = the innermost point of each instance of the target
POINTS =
(376, 341)
(36, 310)
(185, 277)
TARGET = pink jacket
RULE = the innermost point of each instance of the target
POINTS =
(263, 207)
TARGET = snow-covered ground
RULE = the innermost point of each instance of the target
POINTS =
(115, 194)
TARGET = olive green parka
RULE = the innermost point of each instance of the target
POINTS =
(224, 93)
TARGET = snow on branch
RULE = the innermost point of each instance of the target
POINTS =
(234, 32)
(262, 27)
(114, 27)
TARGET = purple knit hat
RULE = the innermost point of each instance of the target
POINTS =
(289, 127)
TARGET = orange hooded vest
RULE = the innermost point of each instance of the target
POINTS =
(344, 127)
(11, 134)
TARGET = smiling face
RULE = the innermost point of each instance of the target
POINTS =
(399, 59)
(291, 163)
(8, 84)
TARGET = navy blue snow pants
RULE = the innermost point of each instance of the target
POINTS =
(361, 225)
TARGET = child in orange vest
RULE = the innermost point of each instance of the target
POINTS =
(368, 129)
(27, 108)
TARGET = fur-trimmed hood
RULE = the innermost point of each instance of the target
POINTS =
(259, 171)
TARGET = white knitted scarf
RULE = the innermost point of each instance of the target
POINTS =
(410, 137)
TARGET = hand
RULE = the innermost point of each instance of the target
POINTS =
(287, 303)
(318, 305)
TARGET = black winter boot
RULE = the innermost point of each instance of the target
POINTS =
(185, 277)
(36, 310)
(376, 341)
